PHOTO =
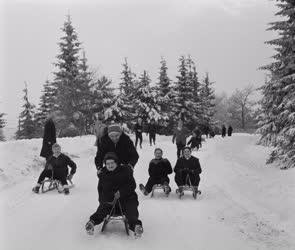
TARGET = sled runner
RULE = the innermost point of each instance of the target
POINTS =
(187, 187)
(161, 187)
(116, 214)
(51, 184)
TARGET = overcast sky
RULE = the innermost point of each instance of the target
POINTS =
(224, 37)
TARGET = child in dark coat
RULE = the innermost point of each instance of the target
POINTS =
(116, 182)
(195, 141)
(187, 166)
(57, 167)
(159, 169)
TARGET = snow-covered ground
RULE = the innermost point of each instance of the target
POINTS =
(244, 203)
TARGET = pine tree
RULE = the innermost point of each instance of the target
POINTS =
(47, 103)
(208, 101)
(123, 108)
(26, 123)
(164, 93)
(278, 110)
(2, 125)
(146, 101)
(67, 77)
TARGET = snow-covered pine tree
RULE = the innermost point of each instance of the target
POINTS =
(2, 125)
(84, 96)
(183, 95)
(123, 108)
(164, 91)
(27, 126)
(47, 103)
(67, 77)
(277, 126)
(146, 101)
(103, 95)
(207, 101)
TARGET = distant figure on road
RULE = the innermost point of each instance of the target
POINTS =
(223, 131)
(229, 130)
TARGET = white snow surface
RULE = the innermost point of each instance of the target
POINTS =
(244, 203)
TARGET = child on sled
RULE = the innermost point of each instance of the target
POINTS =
(159, 169)
(187, 168)
(116, 183)
(57, 168)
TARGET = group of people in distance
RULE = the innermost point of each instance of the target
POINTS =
(229, 130)
(115, 161)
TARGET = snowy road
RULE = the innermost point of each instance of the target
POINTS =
(244, 205)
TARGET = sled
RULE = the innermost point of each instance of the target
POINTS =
(159, 187)
(51, 184)
(116, 214)
(187, 187)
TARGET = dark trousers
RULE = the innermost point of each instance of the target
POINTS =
(153, 181)
(179, 146)
(180, 178)
(60, 175)
(129, 209)
(152, 139)
(138, 137)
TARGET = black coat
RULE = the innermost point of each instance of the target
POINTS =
(124, 149)
(159, 168)
(229, 131)
(138, 129)
(192, 164)
(152, 129)
(49, 138)
(60, 164)
(194, 141)
(121, 179)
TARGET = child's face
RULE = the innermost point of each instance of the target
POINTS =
(111, 165)
(187, 153)
(158, 154)
(56, 150)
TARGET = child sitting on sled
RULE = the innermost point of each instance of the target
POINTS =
(57, 168)
(116, 183)
(187, 168)
(159, 169)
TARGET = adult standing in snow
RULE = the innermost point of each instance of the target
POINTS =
(49, 136)
(180, 134)
(223, 131)
(138, 132)
(100, 130)
(152, 129)
(229, 130)
(118, 142)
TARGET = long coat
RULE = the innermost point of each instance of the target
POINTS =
(49, 138)
(124, 149)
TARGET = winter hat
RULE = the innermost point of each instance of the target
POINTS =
(114, 128)
(186, 147)
(111, 156)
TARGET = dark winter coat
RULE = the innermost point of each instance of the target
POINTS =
(159, 168)
(223, 131)
(191, 164)
(121, 179)
(124, 149)
(49, 138)
(61, 164)
(138, 129)
(152, 129)
(180, 135)
(229, 131)
(194, 141)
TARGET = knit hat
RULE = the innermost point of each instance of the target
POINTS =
(187, 147)
(111, 156)
(114, 128)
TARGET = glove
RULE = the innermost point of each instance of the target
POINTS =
(117, 195)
